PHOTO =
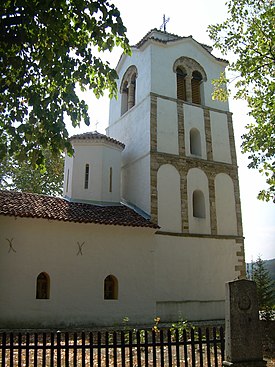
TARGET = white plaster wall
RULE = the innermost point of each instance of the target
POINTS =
(167, 126)
(225, 205)
(194, 118)
(133, 129)
(169, 199)
(164, 79)
(197, 180)
(220, 137)
(191, 275)
(77, 282)
(136, 183)
(100, 158)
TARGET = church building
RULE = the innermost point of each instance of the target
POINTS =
(150, 220)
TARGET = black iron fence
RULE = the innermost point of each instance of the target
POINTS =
(164, 348)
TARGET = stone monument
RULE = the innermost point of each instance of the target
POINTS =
(243, 339)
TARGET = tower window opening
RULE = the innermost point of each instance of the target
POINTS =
(198, 204)
(196, 87)
(128, 89)
(181, 84)
(195, 142)
(86, 181)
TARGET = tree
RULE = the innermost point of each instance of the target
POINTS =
(265, 288)
(47, 49)
(21, 176)
(249, 34)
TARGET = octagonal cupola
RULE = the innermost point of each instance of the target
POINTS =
(92, 174)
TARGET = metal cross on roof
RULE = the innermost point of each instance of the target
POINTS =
(165, 21)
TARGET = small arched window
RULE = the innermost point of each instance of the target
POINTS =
(181, 84)
(198, 204)
(110, 287)
(43, 286)
(196, 87)
(195, 142)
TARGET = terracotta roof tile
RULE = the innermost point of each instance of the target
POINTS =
(96, 136)
(26, 205)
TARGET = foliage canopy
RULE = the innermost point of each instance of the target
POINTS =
(21, 176)
(47, 49)
(249, 33)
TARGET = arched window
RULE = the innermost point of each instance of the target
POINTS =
(43, 286)
(196, 87)
(181, 83)
(110, 287)
(190, 77)
(86, 178)
(195, 142)
(198, 204)
(128, 89)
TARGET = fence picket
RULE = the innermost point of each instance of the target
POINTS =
(143, 348)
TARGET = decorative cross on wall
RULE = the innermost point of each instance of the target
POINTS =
(10, 245)
(80, 245)
(165, 21)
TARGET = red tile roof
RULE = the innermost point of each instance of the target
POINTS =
(26, 205)
(96, 136)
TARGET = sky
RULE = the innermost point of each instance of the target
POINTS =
(193, 18)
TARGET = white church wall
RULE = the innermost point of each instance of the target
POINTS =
(220, 137)
(136, 183)
(169, 199)
(164, 79)
(76, 280)
(167, 127)
(193, 118)
(225, 205)
(190, 283)
(133, 129)
(197, 181)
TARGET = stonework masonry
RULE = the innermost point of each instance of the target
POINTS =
(211, 168)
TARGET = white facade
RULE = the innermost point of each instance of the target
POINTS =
(178, 168)
(77, 258)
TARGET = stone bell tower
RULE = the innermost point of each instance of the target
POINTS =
(179, 166)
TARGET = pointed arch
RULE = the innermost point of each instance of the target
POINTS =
(43, 286)
(110, 287)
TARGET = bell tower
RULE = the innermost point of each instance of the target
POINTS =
(179, 165)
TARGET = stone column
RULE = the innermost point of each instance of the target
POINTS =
(188, 86)
(131, 95)
(243, 340)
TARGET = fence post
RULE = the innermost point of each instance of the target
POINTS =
(243, 340)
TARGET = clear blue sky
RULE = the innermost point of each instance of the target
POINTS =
(192, 19)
